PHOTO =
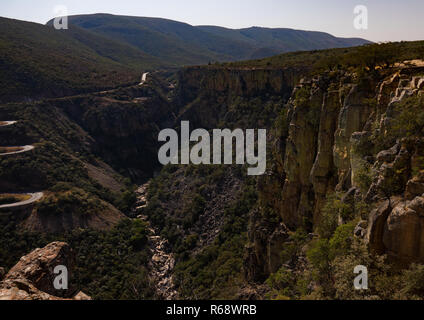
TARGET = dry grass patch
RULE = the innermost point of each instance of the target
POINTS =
(10, 149)
(9, 198)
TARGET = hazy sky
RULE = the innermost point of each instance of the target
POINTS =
(389, 20)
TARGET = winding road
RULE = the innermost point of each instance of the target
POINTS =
(21, 150)
(34, 198)
(144, 78)
(7, 123)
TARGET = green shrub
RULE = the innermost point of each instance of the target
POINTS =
(293, 246)
(413, 281)
(73, 201)
(341, 241)
(364, 178)
(409, 118)
(330, 213)
(109, 264)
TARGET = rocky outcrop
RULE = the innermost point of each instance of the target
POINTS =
(237, 81)
(395, 226)
(353, 117)
(376, 224)
(325, 113)
(396, 229)
(323, 177)
(415, 186)
(391, 176)
(263, 254)
(104, 217)
(331, 119)
(301, 150)
(205, 94)
(403, 236)
(32, 278)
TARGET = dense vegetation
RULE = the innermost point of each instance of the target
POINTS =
(318, 61)
(216, 272)
(210, 269)
(327, 263)
(319, 266)
(58, 162)
(203, 211)
(109, 264)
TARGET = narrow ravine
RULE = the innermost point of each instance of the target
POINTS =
(162, 263)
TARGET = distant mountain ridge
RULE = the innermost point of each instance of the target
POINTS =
(180, 43)
(272, 41)
(103, 51)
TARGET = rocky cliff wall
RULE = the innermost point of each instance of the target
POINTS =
(236, 81)
(333, 123)
(124, 125)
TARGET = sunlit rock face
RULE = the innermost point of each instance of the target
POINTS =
(32, 278)
(329, 118)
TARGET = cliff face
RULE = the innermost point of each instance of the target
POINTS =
(205, 95)
(203, 210)
(124, 125)
(335, 134)
(324, 114)
(329, 145)
(237, 81)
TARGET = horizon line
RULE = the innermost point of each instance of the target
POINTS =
(200, 25)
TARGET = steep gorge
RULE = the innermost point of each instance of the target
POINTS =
(344, 166)
(331, 135)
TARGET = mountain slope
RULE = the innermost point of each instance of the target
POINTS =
(103, 51)
(282, 40)
(175, 42)
(39, 61)
(180, 43)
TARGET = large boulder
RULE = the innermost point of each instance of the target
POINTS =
(376, 224)
(415, 186)
(33, 276)
(404, 231)
(396, 228)
(391, 177)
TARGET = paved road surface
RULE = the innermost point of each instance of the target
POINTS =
(144, 78)
(7, 123)
(24, 149)
(34, 198)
